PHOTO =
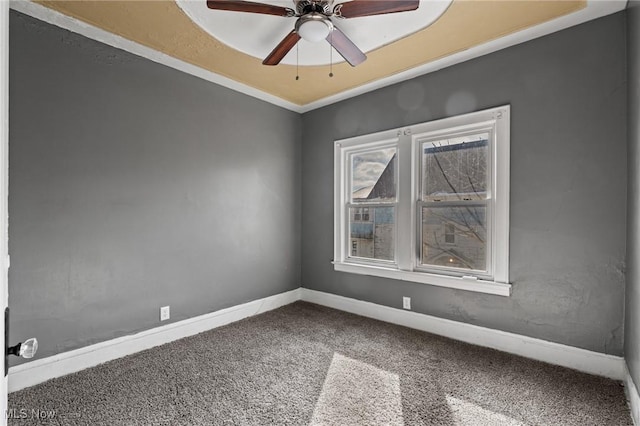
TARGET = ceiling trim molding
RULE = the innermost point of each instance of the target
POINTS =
(595, 9)
(75, 25)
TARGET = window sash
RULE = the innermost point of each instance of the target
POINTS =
(347, 237)
(486, 273)
(421, 140)
(471, 130)
(348, 164)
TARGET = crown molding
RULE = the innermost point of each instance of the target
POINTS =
(79, 27)
(594, 9)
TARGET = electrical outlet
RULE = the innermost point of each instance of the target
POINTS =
(164, 313)
(406, 303)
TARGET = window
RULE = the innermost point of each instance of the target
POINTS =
(428, 203)
(361, 214)
(449, 233)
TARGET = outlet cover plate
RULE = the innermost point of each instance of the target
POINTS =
(406, 303)
(165, 314)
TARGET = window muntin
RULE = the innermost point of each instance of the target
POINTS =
(459, 207)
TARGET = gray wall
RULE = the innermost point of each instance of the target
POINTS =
(568, 184)
(135, 186)
(632, 323)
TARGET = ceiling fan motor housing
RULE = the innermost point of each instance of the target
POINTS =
(304, 7)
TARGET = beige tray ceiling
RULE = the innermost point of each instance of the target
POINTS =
(161, 25)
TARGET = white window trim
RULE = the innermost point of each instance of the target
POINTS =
(408, 146)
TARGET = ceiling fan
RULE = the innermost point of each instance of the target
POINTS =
(315, 22)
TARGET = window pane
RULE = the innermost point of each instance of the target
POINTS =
(372, 234)
(455, 236)
(455, 169)
(373, 175)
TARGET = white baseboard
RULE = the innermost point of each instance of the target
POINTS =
(41, 370)
(633, 397)
(554, 353)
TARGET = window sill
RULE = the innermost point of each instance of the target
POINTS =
(479, 286)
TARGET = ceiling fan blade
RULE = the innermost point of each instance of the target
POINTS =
(345, 47)
(282, 49)
(356, 8)
(249, 6)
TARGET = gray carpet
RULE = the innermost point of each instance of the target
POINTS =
(308, 365)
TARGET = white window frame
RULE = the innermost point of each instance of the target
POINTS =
(408, 142)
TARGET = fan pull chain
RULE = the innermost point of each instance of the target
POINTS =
(331, 54)
(297, 61)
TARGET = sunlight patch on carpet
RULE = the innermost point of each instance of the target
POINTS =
(467, 413)
(355, 392)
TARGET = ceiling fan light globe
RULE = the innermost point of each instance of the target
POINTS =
(314, 30)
